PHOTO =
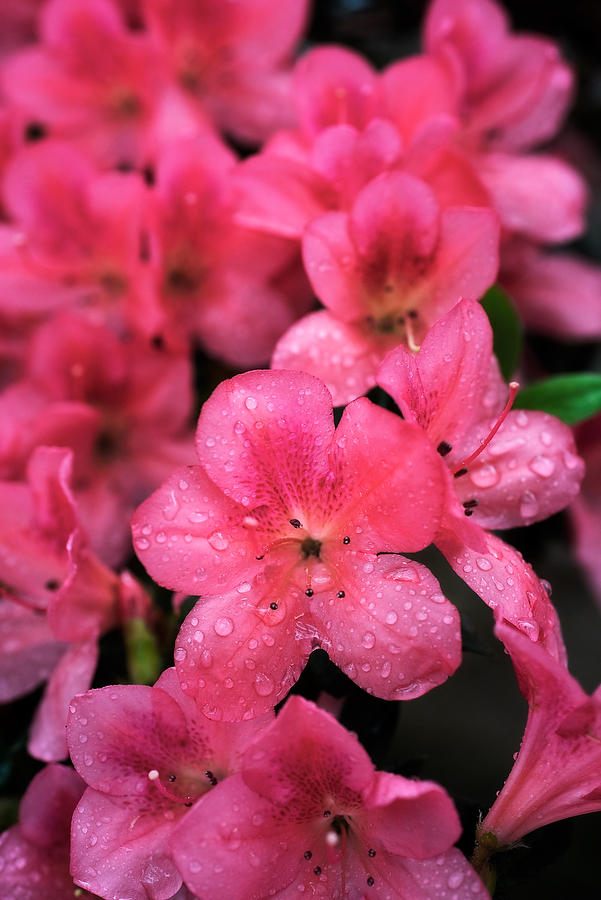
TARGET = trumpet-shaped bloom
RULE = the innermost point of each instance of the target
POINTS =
(386, 272)
(290, 530)
(308, 813)
(34, 855)
(147, 756)
(232, 58)
(104, 102)
(521, 473)
(557, 773)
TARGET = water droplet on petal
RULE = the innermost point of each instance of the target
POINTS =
(485, 476)
(263, 685)
(223, 626)
(391, 617)
(455, 880)
(217, 541)
(484, 564)
(142, 544)
(368, 640)
(250, 403)
(528, 505)
(542, 465)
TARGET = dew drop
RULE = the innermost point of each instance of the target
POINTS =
(542, 465)
(455, 880)
(223, 626)
(368, 640)
(250, 403)
(484, 564)
(263, 685)
(142, 544)
(391, 617)
(528, 505)
(217, 541)
(485, 476)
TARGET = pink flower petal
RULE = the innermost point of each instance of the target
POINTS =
(334, 86)
(500, 576)
(343, 355)
(285, 420)
(237, 656)
(191, 537)
(557, 294)
(540, 197)
(556, 774)
(403, 646)
(529, 471)
(73, 674)
(28, 650)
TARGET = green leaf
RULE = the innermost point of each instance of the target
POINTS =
(506, 327)
(143, 657)
(572, 398)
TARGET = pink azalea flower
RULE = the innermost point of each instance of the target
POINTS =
(280, 529)
(75, 237)
(308, 813)
(557, 773)
(505, 468)
(234, 290)
(57, 597)
(558, 294)
(514, 88)
(103, 102)
(232, 58)
(34, 855)
(110, 400)
(386, 272)
(148, 756)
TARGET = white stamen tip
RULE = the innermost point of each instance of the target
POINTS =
(153, 775)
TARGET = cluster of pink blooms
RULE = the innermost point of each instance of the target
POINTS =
(131, 236)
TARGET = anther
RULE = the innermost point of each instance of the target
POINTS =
(171, 778)
(469, 506)
(210, 778)
(444, 448)
(309, 592)
(189, 803)
(346, 540)
(295, 523)
(370, 881)
(260, 557)
(371, 853)
(317, 870)
(340, 594)
(460, 472)
(327, 813)
(52, 585)
(307, 854)
(273, 606)
(514, 387)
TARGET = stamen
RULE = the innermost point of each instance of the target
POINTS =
(470, 504)
(154, 778)
(444, 448)
(410, 331)
(371, 853)
(307, 854)
(514, 387)
(341, 96)
(370, 881)
(295, 523)
(273, 605)
(317, 870)
(460, 472)
(341, 595)
(346, 540)
(210, 778)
